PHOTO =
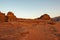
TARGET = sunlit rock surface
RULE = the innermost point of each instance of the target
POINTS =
(12, 28)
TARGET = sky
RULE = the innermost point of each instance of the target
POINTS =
(31, 8)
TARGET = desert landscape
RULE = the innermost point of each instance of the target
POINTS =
(41, 28)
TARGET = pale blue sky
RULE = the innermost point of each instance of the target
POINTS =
(31, 8)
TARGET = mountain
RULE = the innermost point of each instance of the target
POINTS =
(56, 18)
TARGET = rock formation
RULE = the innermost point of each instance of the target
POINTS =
(11, 16)
(7, 18)
(2, 17)
(45, 17)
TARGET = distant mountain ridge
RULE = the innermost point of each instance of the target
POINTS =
(56, 18)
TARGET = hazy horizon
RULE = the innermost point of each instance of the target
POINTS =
(31, 8)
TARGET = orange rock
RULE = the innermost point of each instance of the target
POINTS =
(6, 18)
(11, 16)
(45, 17)
(2, 17)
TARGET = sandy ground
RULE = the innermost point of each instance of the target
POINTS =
(30, 30)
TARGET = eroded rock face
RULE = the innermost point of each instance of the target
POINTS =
(11, 16)
(2, 17)
(6, 18)
(45, 17)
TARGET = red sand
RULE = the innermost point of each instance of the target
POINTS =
(30, 30)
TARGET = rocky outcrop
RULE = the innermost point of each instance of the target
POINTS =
(45, 17)
(7, 18)
(11, 16)
(2, 17)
